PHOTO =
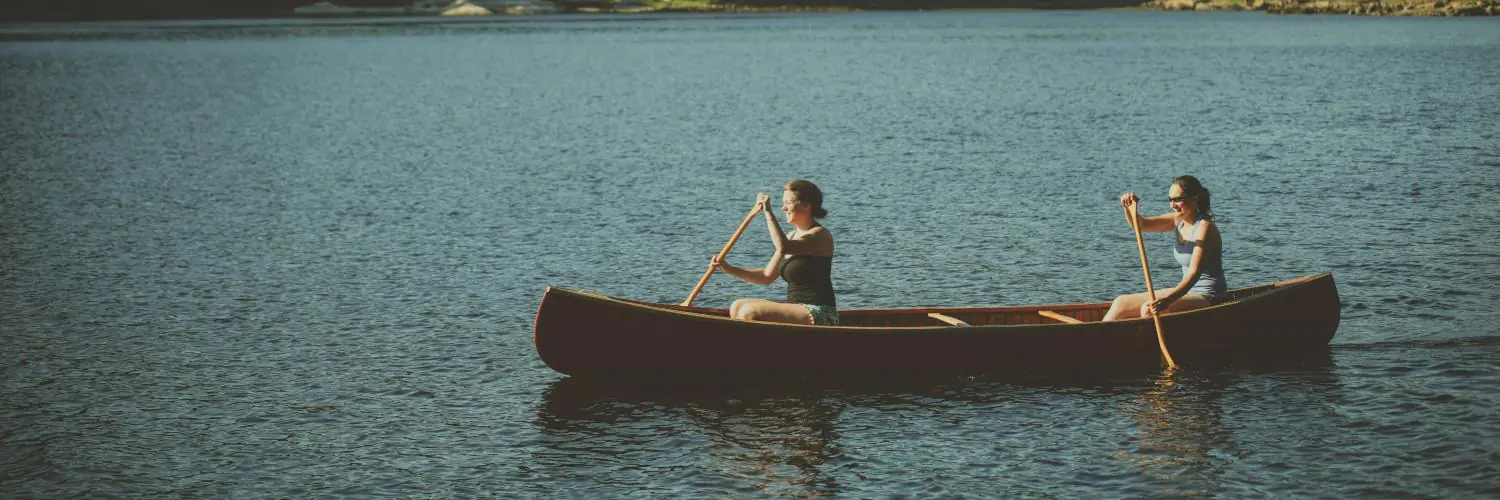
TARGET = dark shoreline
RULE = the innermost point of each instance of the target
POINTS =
(1343, 7)
(87, 10)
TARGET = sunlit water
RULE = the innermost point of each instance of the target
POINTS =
(302, 258)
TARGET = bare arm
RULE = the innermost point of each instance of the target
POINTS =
(778, 238)
(815, 241)
(756, 275)
(768, 274)
(1149, 224)
(1158, 223)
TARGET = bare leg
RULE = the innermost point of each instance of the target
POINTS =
(765, 310)
(1125, 307)
(1129, 305)
(1186, 303)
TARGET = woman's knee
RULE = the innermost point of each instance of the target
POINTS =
(775, 312)
(743, 309)
(1124, 306)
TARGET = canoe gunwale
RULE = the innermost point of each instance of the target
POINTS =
(719, 314)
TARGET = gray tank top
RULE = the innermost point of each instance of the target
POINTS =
(1211, 281)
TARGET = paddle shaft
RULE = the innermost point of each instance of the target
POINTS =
(722, 253)
(1140, 244)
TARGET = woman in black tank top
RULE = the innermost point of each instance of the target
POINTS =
(804, 259)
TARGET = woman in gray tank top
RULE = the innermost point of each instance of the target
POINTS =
(804, 259)
(1198, 250)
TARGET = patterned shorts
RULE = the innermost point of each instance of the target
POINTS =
(823, 315)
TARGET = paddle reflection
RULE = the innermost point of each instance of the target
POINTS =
(1181, 442)
(749, 439)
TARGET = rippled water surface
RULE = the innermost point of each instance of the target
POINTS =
(301, 258)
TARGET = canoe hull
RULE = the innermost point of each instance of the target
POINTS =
(579, 333)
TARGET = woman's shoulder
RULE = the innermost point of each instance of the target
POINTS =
(1207, 228)
(825, 234)
(820, 239)
(815, 232)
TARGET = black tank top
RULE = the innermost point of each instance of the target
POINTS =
(809, 279)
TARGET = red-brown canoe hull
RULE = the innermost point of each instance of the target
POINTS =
(579, 333)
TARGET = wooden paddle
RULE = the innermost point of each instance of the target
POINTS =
(722, 253)
(1140, 244)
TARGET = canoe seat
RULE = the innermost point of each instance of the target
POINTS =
(1060, 317)
(947, 319)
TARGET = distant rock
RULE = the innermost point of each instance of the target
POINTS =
(1174, 4)
(468, 9)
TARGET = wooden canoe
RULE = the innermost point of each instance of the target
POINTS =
(588, 334)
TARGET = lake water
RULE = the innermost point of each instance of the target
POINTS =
(301, 258)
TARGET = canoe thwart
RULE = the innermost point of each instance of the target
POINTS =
(947, 319)
(1060, 317)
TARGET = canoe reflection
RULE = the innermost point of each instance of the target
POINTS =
(750, 439)
(726, 438)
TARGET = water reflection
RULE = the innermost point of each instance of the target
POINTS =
(1181, 443)
(809, 438)
(1178, 432)
(736, 438)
